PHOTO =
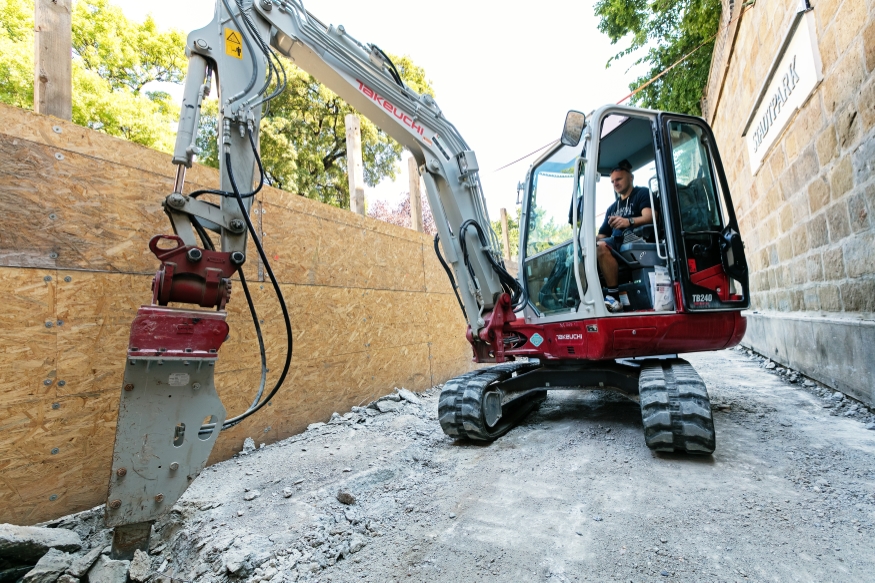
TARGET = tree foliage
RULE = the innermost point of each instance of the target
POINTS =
(666, 30)
(400, 214)
(303, 137)
(113, 58)
(513, 232)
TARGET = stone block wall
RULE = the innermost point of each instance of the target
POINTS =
(808, 215)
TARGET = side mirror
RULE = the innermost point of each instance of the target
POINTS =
(574, 124)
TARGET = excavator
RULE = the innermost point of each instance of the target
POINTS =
(683, 278)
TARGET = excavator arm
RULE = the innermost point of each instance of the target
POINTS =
(169, 413)
(239, 41)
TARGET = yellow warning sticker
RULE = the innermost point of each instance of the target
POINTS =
(233, 46)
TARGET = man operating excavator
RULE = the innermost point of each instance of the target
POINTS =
(630, 209)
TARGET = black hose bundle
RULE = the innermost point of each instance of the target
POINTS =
(508, 282)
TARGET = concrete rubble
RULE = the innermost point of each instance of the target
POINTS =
(382, 496)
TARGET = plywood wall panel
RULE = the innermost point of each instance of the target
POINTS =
(41, 129)
(370, 310)
(27, 346)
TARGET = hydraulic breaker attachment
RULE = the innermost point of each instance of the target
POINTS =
(169, 412)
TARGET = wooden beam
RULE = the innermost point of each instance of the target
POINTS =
(415, 196)
(53, 63)
(355, 165)
(505, 236)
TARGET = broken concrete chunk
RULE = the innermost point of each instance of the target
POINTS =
(390, 397)
(80, 565)
(409, 396)
(313, 426)
(287, 492)
(29, 543)
(248, 446)
(66, 578)
(357, 543)
(387, 406)
(236, 562)
(141, 567)
(335, 418)
(251, 495)
(51, 566)
(105, 570)
(345, 497)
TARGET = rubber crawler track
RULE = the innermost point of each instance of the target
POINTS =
(675, 408)
(460, 407)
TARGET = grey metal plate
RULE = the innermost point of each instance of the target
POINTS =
(152, 464)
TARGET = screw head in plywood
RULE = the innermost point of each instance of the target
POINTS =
(53, 216)
(68, 279)
(49, 324)
(55, 451)
(59, 156)
(47, 278)
(47, 382)
(57, 129)
(62, 383)
(53, 255)
(53, 497)
(56, 405)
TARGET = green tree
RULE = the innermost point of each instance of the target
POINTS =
(513, 231)
(666, 30)
(113, 58)
(303, 137)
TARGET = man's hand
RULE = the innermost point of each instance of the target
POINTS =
(619, 222)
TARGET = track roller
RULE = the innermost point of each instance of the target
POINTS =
(474, 407)
(675, 408)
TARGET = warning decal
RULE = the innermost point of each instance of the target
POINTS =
(233, 46)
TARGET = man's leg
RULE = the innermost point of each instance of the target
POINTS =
(611, 272)
(608, 264)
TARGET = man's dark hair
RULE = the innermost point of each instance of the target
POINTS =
(623, 165)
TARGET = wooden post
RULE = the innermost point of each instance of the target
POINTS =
(415, 200)
(355, 166)
(53, 63)
(505, 236)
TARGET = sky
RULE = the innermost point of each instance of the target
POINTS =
(504, 74)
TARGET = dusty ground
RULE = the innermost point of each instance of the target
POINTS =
(573, 494)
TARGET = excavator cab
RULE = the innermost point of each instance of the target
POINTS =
(689, 258)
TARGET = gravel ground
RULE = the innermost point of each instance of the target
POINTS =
(572, 494)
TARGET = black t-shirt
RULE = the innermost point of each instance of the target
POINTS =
(637, 201)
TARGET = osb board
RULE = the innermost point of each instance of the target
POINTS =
(41, 129)
(370, 308)
(351, 345)
(27, 347)
(77, 212)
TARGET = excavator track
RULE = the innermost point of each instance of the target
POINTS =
(675, 408)
(472, 407)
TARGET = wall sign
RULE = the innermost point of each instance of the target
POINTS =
(794, 74)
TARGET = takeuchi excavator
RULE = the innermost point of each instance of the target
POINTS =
(683, 278)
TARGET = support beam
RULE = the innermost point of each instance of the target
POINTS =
(53, 63)
(415, 196)
(355, 166)
(505, 235)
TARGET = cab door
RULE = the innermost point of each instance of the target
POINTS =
(712, 267)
